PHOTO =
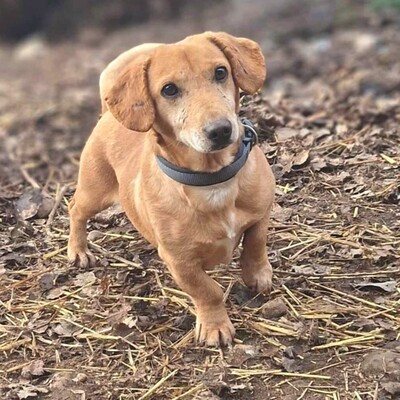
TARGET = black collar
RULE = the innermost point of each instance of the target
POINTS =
(195, 178)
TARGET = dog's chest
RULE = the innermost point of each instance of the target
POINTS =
(230, 226)
(219, 223)
(223, 240)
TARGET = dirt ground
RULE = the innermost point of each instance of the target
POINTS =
(328, 122)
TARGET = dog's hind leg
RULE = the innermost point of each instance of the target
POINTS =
(96, 190)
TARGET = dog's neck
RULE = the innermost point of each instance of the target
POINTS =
(186, 157)
(206, 199)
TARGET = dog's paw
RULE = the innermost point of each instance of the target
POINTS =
(81, 258)
(259, 280)
(214, 333)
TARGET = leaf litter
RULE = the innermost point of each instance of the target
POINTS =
(329, 125)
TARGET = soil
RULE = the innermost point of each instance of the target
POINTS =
(328, 122)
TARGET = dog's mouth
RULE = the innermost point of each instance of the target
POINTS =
(202, 145)
(218, 147)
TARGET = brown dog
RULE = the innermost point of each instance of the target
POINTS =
(180, 102)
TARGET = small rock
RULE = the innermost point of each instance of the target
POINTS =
(45, 207)
(80, 378)
(274, 309)
(94, 235)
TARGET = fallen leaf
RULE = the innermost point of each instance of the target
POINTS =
(86, 278)
(119, 316)
(28, 204)
(291, 362)
(285, 133)
(318, 163)
(30, 391)
(366, 324)
(243, 295)
(286, 160)
(55, 293)
(26, 393)
(322, 133)
(33, 203)
(46, 281)
(241, 353)
(388, 286)
(35, 369)
(281, 214)
(12, 258)
(381, 362)
(301, 158)
(66, 328)
(94, 235)
(392, 387)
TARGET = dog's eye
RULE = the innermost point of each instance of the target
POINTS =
(169, 90)
(220, 73)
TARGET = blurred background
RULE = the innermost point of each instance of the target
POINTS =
(57, 20)
(53, 51)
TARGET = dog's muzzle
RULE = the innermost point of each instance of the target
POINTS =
(196, 178)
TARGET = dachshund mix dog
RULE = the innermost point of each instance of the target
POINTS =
(175, 106)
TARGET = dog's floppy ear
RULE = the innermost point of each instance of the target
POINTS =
(245, 57)
(127, 95)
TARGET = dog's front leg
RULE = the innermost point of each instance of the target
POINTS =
(256, 269)
(213, 326)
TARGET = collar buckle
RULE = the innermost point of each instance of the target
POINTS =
(250, 134)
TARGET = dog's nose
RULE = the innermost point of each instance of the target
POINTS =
(219, 132)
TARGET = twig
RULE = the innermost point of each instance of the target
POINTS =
(58, 199)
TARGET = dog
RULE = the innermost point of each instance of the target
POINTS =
(167, 147)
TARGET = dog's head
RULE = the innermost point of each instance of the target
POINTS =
(188, 90)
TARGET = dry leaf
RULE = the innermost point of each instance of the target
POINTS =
(318, 163)
(35, 369)
(33, 203)
(86, 278)
(285, 133)
(55, 293)
(392, 387)
(66, 328)
(388, 286)
(28, 204)
(301, 158)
